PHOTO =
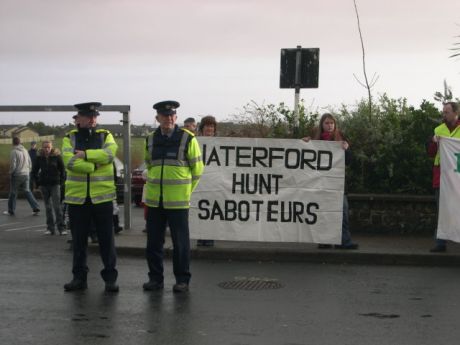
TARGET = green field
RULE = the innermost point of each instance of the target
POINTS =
(136, 150)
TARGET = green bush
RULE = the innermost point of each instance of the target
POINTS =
(389, 145)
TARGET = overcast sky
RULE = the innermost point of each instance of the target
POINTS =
(214, 56)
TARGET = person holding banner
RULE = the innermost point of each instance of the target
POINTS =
(207, 128)
(328, 130)
(173, 159)
(450, 128)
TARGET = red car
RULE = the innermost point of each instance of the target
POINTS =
(137, 184)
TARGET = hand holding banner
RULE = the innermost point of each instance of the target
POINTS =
(274, 190)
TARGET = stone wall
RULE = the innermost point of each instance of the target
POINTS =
(392, 214)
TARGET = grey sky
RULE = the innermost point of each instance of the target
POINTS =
(214, 56)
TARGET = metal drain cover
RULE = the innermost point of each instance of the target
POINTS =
(254, 283)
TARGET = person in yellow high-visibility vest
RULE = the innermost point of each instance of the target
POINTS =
(88, 154)
(449, 128)
(173, 159)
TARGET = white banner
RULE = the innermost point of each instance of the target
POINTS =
(449, 193)
(271, 190)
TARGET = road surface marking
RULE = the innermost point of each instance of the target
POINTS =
(25, 227)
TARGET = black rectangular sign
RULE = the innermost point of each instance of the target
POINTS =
(309, 68)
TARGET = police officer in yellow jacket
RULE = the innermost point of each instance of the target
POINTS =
(175, 165)
(89, 190)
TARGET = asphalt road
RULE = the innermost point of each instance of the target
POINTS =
(316, 304)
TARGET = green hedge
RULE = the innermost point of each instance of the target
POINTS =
(389, 145)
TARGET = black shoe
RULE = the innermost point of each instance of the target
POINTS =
(36, 211)
(118, 229)
(152, 285)
(180, 287)
(324, 246)
(438, 249)
(111, 287)
(347, 246)
(76, 285)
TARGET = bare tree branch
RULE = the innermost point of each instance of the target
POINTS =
(368, 85)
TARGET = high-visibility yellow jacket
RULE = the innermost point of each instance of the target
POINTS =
(174, 168)
(93, 176)
(443, 131)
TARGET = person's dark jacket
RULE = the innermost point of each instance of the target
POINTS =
(33, 154)
(49, 171)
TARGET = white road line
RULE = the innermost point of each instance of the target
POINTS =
(10, 224)
(25, 227)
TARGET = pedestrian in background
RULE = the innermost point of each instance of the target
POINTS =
(20, 170)
(328, 130)
(449, 128)
(174, 163)
(207, 128)
(33, 156)
(89, 191)
(190, 124)
(49, 173)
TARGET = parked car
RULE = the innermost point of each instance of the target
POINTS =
(137, 184)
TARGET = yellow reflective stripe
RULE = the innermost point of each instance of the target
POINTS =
(100, 178)
(74, 199)
(183, 142)
(110, 154)
(155, 203)
(170, 162)
(77, 178)
(107, 145)
(68, 149)
(150, 147)
(72, 140)
(194, 178)
(91, 178)
(195, 160)
(71, 162)
(104, 197)
(176, 203)
(168, 181)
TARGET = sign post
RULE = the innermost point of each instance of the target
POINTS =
(299, 69)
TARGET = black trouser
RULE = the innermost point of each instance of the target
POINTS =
(81, 217)
(157, 218)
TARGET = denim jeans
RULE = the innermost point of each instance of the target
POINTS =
(52, 198)
(439, 242)
(20, 182)
(346, 236)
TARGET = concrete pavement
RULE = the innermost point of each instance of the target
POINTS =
(373, 248)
